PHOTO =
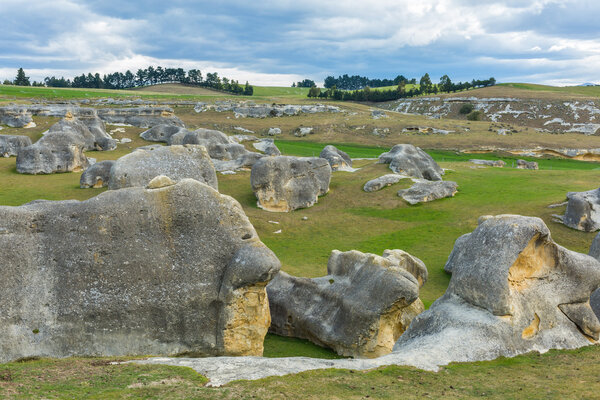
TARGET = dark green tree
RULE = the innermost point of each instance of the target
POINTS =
(21, 79)
(314, 92)
(425, 83)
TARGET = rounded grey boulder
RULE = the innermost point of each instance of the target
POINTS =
(10, 145)
(410, 160)
(177, 162)
(96, 175)
(386, 180)
(337, 159)
(583, 210)
(424, 191)
(163, 132)
(60, 151)
(283, 184)
(522, 164)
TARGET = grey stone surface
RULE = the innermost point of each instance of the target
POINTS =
(337, 159)
(143, 117)
(274, 131)
(15, 116)
(386, 180)
(489, 163)
(410, 160)
(249, 109)
(177, 162)
(283, 184)
(11, 144)
(95, 138)
(423, 191)
(522, 164)
(243, 162)
(163, 132)
(458, 247)
(359, 309)
(61, 151)
(583, 210)
(96, 175)
(595, 297)
(267, 146)
(303, 131)
(174, 269)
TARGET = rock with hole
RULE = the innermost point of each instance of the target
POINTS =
(96, 175)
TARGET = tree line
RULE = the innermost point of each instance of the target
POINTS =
(143, 77)
(425, 87)
(356, 82)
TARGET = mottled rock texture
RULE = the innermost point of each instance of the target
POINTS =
(60, 151)
(359, 309)
(424, 191)
(143, 117)
(337, 159)
(97, 175)
(11, 144)
(410, 160)
(583, 210)
(489, 163)
(283, 184)
(89, 128)
(163, 132)
(267, 146)
(177, 162)
(522, 164)
(175, 269)
(386, 180)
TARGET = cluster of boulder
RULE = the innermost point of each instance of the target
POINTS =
(252, 110)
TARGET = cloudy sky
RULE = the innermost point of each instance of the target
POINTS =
(276, 42)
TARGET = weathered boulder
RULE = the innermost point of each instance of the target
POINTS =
(386, 180)
(267, 146)
(337, 159)
(15, 116)
(274, 131)
(283, 184)
(595, 298)
(177, 162)
(96, 140)
(410, 160)
(303, 131)
(96, 175)
(171, 270)
(513, 290)
(377, 114)
(10, 145)
(423, 191)
(583, 210)
(143, 117)
(489, 163)
(61, 151)
(244, 162)
(522, 164)
(163, 132)
(359, 309)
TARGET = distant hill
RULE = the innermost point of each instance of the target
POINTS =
(587, 84)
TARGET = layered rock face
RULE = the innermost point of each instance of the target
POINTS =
(359, 309)
(61, 151)
(143, 117)
(410, 160)
(163, 132)
(583, 210)
(386, 180)
(168, 270)
(424, 191)
(177, 162)
(15, 116)
(513, 290)
(97, 175)
(337, 159)
(283, 184)
(11, 144)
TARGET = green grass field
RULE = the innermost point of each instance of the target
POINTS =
(591, 91)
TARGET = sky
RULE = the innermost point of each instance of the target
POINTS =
(277, 42)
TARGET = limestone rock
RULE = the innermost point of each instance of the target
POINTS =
(10, 145)
(162, 133)
(243, 162)
(267, 146)
(359, 309)
(513, 290)
(177, 162)
(96, 175)
(274, 131)
(283, 184)
(143, 117)
(61, 151)
(337, 159)
(178, 269)
(15, 116)
(410, 160)
(522, 164)
(303, 131)
(96, 140)
(386, 180)
(583, 210)
(423, 191)
(489, 163)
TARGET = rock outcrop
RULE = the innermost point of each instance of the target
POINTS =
(95, 138)
(337, 159)
(163, 132)
(274, 131)
(423, 191)
(410, 160)
(583, 211)
(177, 162)
(11, 144)
(267, 146)
(359, 309)
(15, 116)
(143, 117)
(97, 175)
(386, 180)
(522, 164)
(60, 151)
(170, 270)
(489, 163)
(283, 184)
(252, 110)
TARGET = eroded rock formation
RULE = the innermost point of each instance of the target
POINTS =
(60, 151)
(522, 164)
(410, 160)
(11, 144)
(337, 159)
(163, 132)
(489, 163)
(386, 180)
(169, 270)
(97, 175)
(423, 191)
(583, 211)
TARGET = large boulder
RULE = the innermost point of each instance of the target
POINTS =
(143, 117)
(177, 162)
(15, 116)
(410, 160)
(423, 191)
(97, 175)
(386, 180)
(359, 309)
(513, 290)
(163, 132)
(96, 140)
(337, 159)
(283, 183)
(10, 145)
(170, 270)
(60, 151)
(102, 140)
(583, 210)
